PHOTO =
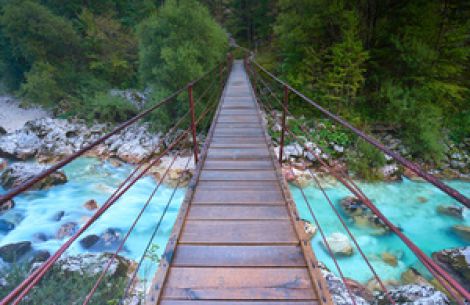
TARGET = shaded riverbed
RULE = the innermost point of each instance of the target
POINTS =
(36, 212)
(403, 203)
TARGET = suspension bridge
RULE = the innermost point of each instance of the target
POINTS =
(238, 238)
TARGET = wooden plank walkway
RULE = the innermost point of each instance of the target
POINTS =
(238, 238)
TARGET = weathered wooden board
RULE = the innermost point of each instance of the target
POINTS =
(238, 211)
(239, 232)
(239, 241)
(239, 256)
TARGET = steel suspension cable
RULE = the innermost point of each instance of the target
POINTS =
(34, 278)
(28, 184)
(442, 276)
(372, 269)
(152, 237)
(343, 223)
(327, 245)
(129, 231)
(132, 278)
(437, 272)
(412, 166)
(103, 273)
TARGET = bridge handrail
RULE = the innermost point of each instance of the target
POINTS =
(27, 284)
(408, 164)
(441, 275)
(29, 183)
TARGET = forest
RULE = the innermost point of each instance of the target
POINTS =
(402, 64)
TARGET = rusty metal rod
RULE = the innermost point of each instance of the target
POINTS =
(412, 166)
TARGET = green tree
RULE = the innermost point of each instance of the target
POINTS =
(36, 34)
(111, 50)
(177, 45)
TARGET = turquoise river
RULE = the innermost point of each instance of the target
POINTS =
(92, 179)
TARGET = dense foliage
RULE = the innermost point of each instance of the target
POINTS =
(178, 44)
(58, 287)
(403, 64)
(67, 55)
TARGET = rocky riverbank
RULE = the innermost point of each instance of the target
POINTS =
(48, 140)
(332, 144)
(414, 288)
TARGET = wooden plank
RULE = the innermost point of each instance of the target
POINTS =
(244, 140)
(237, 125)
(235, 119)
(237, 212)
(209, 302)
(241, 128)
(239, 256)
(272, 293)
(238, 145)
(239, 112)
(228, 175)
(238, 105)
(238, 243)
(214, 185)
(239, 232)
(237, 196)
(238, 133)
(247, 152)
(213, 277)
(243, 164)
(239, 283)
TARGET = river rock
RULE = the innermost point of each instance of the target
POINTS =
(51, 139)
(339, 244)
(390, 259)
(302, 179)
(6, 226)
(414, 295)
(6, 206)
(20, 145)
(451, 210)
(309, 229)
(58, 216)
(463, 231)
(455, 261)
(362, 215)
(422, 199)
(67, 230)
(18, 173)
(288, 174)
(39, 256)
(12, 252)
(91, 205)
(340, 293)
(293, 151)
(40, 237)
(89, 241)
(178, 177)
(107, 241)
(412, 276)
(91, 264)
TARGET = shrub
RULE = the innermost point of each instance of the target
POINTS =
(106, 108)
(58, 287)
(366, 160)
(41, 86)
